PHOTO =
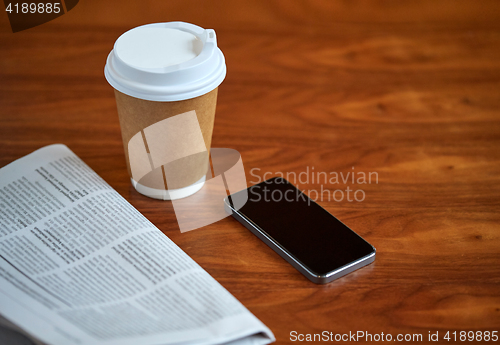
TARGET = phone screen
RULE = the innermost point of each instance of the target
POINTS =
(301, 227)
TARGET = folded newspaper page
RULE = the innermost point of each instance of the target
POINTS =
(80, 265)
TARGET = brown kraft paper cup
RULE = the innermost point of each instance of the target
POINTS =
(166, 78)
(137, 114)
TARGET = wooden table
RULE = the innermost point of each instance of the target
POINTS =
(409, 90)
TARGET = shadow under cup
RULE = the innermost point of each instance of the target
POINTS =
(167, 144)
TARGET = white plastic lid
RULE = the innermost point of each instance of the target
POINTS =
(166, 62)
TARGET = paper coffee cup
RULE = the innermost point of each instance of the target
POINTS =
(165, 78)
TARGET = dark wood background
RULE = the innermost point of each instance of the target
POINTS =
(410, 90)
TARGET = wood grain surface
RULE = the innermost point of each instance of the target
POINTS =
(409, 90)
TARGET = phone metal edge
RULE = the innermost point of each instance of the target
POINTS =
(314, 277)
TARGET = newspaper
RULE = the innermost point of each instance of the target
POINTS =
(80, 265)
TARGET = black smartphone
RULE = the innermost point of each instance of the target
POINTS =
(302, 232)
